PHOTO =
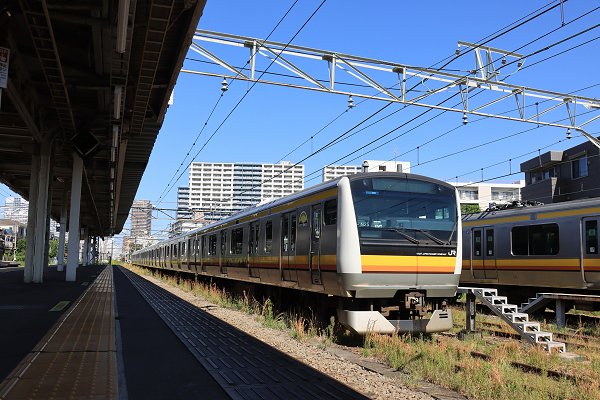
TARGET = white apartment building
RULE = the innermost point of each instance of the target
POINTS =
(183, 203)
(221, 189)
(337, 171)
(16, 208)
(483, 194)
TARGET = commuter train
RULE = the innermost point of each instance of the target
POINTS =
(552, 247)
(385, 245)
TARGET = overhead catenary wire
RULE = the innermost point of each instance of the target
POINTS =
(215, 107)
(531, 105)
(250, 88)
(286, 155)
(520, 59)
(460, 152)
(485, 40)
(385, 106)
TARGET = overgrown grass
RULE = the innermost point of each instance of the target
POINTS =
(442, 360)
(450, 363)
(456, 365)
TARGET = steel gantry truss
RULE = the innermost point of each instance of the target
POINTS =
(481, 91)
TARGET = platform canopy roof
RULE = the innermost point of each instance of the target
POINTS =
(94, 77)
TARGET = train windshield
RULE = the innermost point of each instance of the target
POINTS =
(405, 209)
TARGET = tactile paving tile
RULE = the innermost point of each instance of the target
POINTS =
(77, 358)
(245, 367)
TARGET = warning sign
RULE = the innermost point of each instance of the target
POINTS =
(4, 56)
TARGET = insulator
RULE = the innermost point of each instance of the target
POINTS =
(224, 85)
(465, 119)
(569, 133)
(350, 102)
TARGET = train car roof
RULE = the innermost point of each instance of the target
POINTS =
(298, 195)
(534, 209)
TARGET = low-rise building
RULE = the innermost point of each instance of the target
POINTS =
(484, 194)
(337, 171)
(557, 176)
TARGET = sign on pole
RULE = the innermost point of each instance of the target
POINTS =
(4, 56)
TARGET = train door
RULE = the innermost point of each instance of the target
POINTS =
(182, 255)
(590, 259)
(483, 253)
(288, 247)
(197, 252)
(253, 259)
(314, 255)
(178, 250)
(223, 252)
(190, 253)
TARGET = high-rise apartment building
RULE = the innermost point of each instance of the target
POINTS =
(337, 171)
(183, 203)
(221, 189)
(141, 218)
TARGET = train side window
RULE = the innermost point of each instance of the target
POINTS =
(543, 239)
(237, 237)
(520, 241)
(591, 237)
(268, 237)
(535, 240)
(330, 212)
(477, 243)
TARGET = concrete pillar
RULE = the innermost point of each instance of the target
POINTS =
(73, 249)
(30, 239)
(48, 211)
(85, 254)
(561, 309)
(60, 257)
(41, 225)
(94, 251)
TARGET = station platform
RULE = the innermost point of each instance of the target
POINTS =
(115, 335)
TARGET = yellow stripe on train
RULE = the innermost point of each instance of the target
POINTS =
(408, 264)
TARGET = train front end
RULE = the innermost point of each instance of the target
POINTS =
(399, 252)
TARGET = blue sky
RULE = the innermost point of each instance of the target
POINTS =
(271, 121)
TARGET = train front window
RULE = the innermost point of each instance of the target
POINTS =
(405, 209)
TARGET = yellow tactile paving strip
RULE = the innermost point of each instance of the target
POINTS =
(77, 358)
